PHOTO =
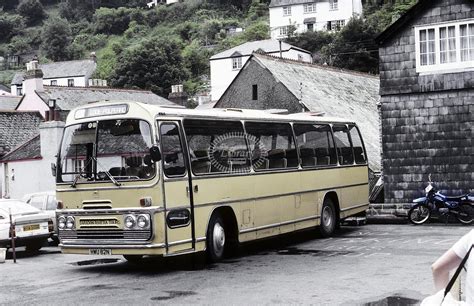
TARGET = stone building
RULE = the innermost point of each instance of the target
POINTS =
(267, 82)
(427, 99)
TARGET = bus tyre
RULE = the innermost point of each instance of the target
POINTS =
(328, 219)
(215, 239)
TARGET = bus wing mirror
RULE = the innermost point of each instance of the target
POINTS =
(53, 169)
(155, 153)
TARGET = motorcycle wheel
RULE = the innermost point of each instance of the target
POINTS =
(419, 214)
(465, 213)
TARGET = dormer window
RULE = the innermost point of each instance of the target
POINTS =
(287, 11)
(445, 47)
(236, 63)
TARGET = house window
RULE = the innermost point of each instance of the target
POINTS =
(300, 57)
(287, 11)
(336, 25)
(54, 82)
(19, 91)
(236, 63)
(333, 5)
(284, 30)
(309, 8)
(70, 82)
(254, 92)
(445, 47)
(310, 27)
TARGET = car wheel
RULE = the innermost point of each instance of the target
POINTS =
(215, 239)
(328, 219)
(133, 258)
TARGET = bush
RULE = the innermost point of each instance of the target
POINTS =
(9, 26)
(56, 39)
(32, 11)
(111, 21)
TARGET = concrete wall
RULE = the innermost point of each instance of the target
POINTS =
(426, 118)
(271, 94)
(346, 9)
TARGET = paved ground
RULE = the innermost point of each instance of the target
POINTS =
(365, 265)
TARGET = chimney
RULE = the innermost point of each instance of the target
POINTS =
(33, 78)
(50, 138)
(178, 95)
(93, 57)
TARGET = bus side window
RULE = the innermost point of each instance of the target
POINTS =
(315, 145)
(343, 144)
(216, 146)
(173, 158)
(359, 154)
(274, 146)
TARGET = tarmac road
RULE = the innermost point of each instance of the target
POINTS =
(373, 264)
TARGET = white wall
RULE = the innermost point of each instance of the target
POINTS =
(78, 81)
(346, 9)
(222, 73)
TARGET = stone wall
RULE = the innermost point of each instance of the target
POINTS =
(427, 120)
(271, 93)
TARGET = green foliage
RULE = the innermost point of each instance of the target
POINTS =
(32, 11)
(112, 21)
(76, 10)
(196, 59)
(107, 59)
(56, 39)
(9, 26)
(312, 41)
(9, 5)
(257, 10)
(6, 76)
(156, 64)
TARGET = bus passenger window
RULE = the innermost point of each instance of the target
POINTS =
(359, 153)
(344, 149)
(173, 158)
(315, 144)
(217, 146)
(271, 145)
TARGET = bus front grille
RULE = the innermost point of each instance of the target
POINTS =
(106, 234)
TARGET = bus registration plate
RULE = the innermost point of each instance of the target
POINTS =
(100, 252)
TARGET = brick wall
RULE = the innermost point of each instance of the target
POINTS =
(427, 120)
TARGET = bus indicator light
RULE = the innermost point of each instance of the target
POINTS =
(146, 202)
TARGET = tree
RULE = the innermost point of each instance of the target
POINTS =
(9, 5)
(76, 10)
(112, 21)
(156, 64)
(9, 26)
(56, 39)
(32, 11)
(311, 41)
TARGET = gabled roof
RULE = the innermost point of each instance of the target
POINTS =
(275, 3)
(31, 149)
(17, 127)
(58, 70)
(401, 22)
(9, 102)
(246, 49)
(68, 98)
(337, 93)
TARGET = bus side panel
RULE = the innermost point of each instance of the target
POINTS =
(356, 194)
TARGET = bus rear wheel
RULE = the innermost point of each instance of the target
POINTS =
(215, 239)
(328, 219)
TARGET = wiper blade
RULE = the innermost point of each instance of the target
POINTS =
(74, 183)
(110, 176)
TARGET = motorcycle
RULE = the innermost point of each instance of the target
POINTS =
(461, 207)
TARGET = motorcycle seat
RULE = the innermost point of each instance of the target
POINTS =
(457, 198)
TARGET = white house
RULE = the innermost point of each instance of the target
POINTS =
(310, 15)
(67, 74)
(227, 64)
(156, 2)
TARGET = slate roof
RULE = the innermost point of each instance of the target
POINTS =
(58, 70)
(246, 49)
(17, 127)
(31, 149)
(337, 93)
(9, 102)
(68, 98)
(275, 3)
(4, 88)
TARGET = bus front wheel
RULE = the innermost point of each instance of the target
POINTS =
(215, 238)
(328, 218)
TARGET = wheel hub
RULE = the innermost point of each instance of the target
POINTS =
(218, 237)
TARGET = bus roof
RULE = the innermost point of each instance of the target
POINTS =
(137, 109)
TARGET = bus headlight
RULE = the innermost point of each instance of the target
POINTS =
(142, 221)
(70, 222)
(61, 222)
(130, 221)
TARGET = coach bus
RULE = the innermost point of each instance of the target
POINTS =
(135, 179)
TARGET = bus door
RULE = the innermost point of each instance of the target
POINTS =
(179, 223)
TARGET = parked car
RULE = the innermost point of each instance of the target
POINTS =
(32, 226)
(45, 201)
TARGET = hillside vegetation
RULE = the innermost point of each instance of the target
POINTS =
(137, 47)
